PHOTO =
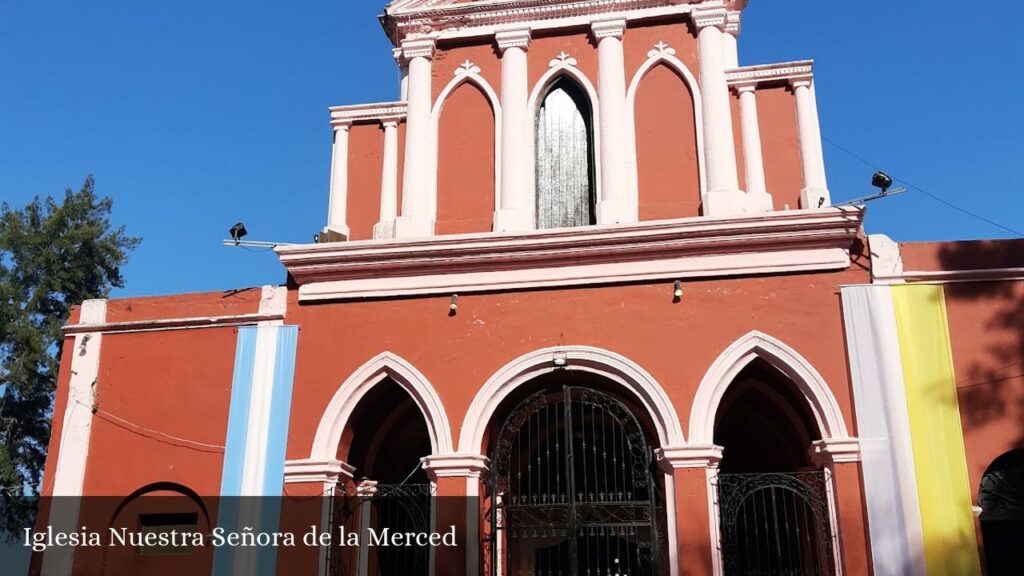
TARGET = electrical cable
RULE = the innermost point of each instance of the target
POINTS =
(934, 197)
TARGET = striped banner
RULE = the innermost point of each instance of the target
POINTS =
(915, 467)
(254, 455)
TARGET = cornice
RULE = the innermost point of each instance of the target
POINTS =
(774, 243)
(442, 20)
(364, 113)
(790, 72)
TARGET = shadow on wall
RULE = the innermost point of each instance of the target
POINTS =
(993, 390)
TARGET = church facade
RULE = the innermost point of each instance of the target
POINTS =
(583, 282)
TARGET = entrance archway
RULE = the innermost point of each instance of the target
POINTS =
(388, 488)
(572, 489)
(773, 503)
(1001, 499)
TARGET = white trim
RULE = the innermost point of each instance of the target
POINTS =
(464, 75)
(368, 113)
(741, 353)
(610, 365)
(76, 431)
(384, 365)
(767, 243)
(326, 472)
(665, 55)
(562, 67)
(762, 73)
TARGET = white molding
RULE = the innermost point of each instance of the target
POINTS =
(619, 369)
(351, 392)
(664, 54)
(835, 451)
(470, 466)
(771, 243)
(326, 472)
(722, 373)
(446, 20)
(789, 72)
(367, 113)
(465, 73)
(513, 39)
(672, 458)
(190, 323)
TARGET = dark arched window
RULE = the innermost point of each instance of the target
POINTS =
(565, 158)
(1001, 499)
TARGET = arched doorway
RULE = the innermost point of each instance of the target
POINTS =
(1001, 498)
(773, 502)
(572, 490)
(388, 489)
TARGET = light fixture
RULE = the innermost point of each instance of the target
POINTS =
(453, 308)
(881, 180)
(677, 292)
(238, 232)
(561, 361)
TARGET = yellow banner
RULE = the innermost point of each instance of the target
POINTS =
(936, 434)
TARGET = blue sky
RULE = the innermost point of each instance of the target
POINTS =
(195, 114)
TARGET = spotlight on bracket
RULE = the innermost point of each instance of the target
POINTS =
(881, 180)
(238, 232)
(677, 291)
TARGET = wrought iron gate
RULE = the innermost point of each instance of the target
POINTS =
(775, 524)
(572, 490)
(402, 508)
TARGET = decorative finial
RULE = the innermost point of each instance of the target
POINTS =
(467, 67)
(661, 49)
(563, 59)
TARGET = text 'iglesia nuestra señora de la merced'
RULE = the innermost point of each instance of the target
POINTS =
(584, 277)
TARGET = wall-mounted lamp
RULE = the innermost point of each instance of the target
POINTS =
(677, 291)
(561, 361)
(453, 308)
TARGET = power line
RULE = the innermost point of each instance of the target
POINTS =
(934, 197)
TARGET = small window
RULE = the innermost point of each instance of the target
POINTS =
(565, 158)
(181, 523)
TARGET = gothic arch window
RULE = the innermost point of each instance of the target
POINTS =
(566, 195)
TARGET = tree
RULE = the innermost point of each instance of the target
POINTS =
(52, 256)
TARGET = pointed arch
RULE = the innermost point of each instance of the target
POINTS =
(619, 369)
(563, 68)
(465, 74)
(663, 55)
(739, 355)
(383, 366)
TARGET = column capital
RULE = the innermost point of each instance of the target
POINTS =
(318, 471)
(716, 15)
(455, 466)
(418, 48)
(341, 125)
(802, 81)
(672, 458)
(389, 122)
(608, 29)
(835, 451)
(747, 86)
(733, 23)
(513, 39)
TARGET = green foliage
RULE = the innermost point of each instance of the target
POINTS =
(52, 256)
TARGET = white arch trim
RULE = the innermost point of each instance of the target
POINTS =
(384, 365)
(584, 358)
(467, 73)
(738, 356)
(563, 66)
(662, 54)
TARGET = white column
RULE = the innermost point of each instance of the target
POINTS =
(515, 211)
(753, 157)
(724, 196)
(403, 74)
(730, 42)
(617, 205)
(337, 218)
(815, 193)
(385, 228)
(416, 221)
